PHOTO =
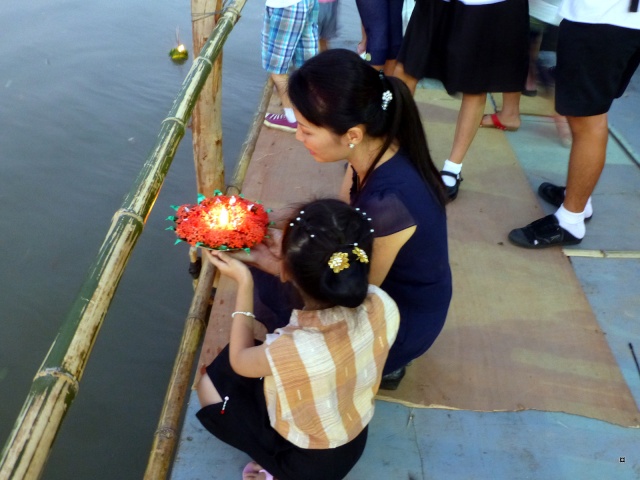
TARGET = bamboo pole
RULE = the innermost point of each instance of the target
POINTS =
(56, 383)
(206, 121)
(166, 436)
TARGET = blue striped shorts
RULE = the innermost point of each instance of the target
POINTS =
(289, 36)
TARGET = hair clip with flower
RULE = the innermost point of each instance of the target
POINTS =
(339, 261)
(360, 254)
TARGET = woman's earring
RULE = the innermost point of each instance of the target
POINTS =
(351, 145)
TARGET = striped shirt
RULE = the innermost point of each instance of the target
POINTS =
(326, 368)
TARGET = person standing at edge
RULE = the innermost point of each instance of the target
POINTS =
(289, 37)
(472, 47)
(598, 53)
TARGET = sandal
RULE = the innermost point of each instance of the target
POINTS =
(452, 192)
(496, 123)
(252, 469)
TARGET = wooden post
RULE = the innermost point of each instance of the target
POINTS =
(206, 120)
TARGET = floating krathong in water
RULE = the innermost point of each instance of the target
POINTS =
(180, 53)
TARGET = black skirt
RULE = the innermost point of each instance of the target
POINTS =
(244, 424)
(469, 48)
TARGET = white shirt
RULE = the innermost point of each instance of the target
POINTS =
(611, 12)
(480, 2)
(281, 3)
(546, 11)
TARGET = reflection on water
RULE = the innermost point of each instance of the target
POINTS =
(83, 89)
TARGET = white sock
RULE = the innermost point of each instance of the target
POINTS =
(290, 115)
(571, 222)
(588, 208)
(454, 168)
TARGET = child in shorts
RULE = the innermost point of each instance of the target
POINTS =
(289, 37)
(598, 54)
(299, 403)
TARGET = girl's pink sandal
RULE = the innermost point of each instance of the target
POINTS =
(254, 468)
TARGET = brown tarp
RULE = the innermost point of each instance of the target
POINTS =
(520, 332)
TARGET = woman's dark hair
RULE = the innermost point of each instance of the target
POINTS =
(317, 231)
(338, 90)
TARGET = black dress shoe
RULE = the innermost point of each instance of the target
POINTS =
(550, 193)
(390, 381)
(452, 192)
(554, 194)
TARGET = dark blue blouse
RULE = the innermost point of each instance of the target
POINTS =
(396, 197)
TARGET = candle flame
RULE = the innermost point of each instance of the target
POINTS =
(224, 217)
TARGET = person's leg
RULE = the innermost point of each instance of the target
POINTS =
(586, 160)
(281, 33)
(362, 44)
(395, 34)
(563, 129)
(280, 81)
(374, 16)
(207, 393)
(409, 80)
(467, 125)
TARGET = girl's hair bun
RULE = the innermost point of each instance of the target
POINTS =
(327, 247)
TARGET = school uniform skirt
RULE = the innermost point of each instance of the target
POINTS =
(243, 422)
(469, 48)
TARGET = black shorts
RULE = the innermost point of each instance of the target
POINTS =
(245, 425)
(595, 64)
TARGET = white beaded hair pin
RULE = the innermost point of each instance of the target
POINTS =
(387, 96)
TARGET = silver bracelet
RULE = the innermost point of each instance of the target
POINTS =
(246, 314)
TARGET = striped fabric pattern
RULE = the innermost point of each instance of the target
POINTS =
(327, 366)
(289, 36)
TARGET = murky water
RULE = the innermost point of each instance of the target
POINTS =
(83, 89)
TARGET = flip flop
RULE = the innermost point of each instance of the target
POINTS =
(496, 123)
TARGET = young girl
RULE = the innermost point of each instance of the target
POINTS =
(299, 403)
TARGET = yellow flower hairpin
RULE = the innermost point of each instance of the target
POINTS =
(360, 254)
(339, 261)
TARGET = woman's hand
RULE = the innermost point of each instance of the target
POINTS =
(232, 268)
(264, 255)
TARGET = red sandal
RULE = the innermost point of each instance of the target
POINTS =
(496, 123)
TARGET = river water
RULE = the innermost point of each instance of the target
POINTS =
(84, 87)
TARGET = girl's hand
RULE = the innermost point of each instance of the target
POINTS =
(229, 266)
(264, 255)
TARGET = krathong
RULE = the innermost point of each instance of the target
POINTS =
(221, 222)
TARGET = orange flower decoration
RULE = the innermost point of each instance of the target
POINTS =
(222, 223)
